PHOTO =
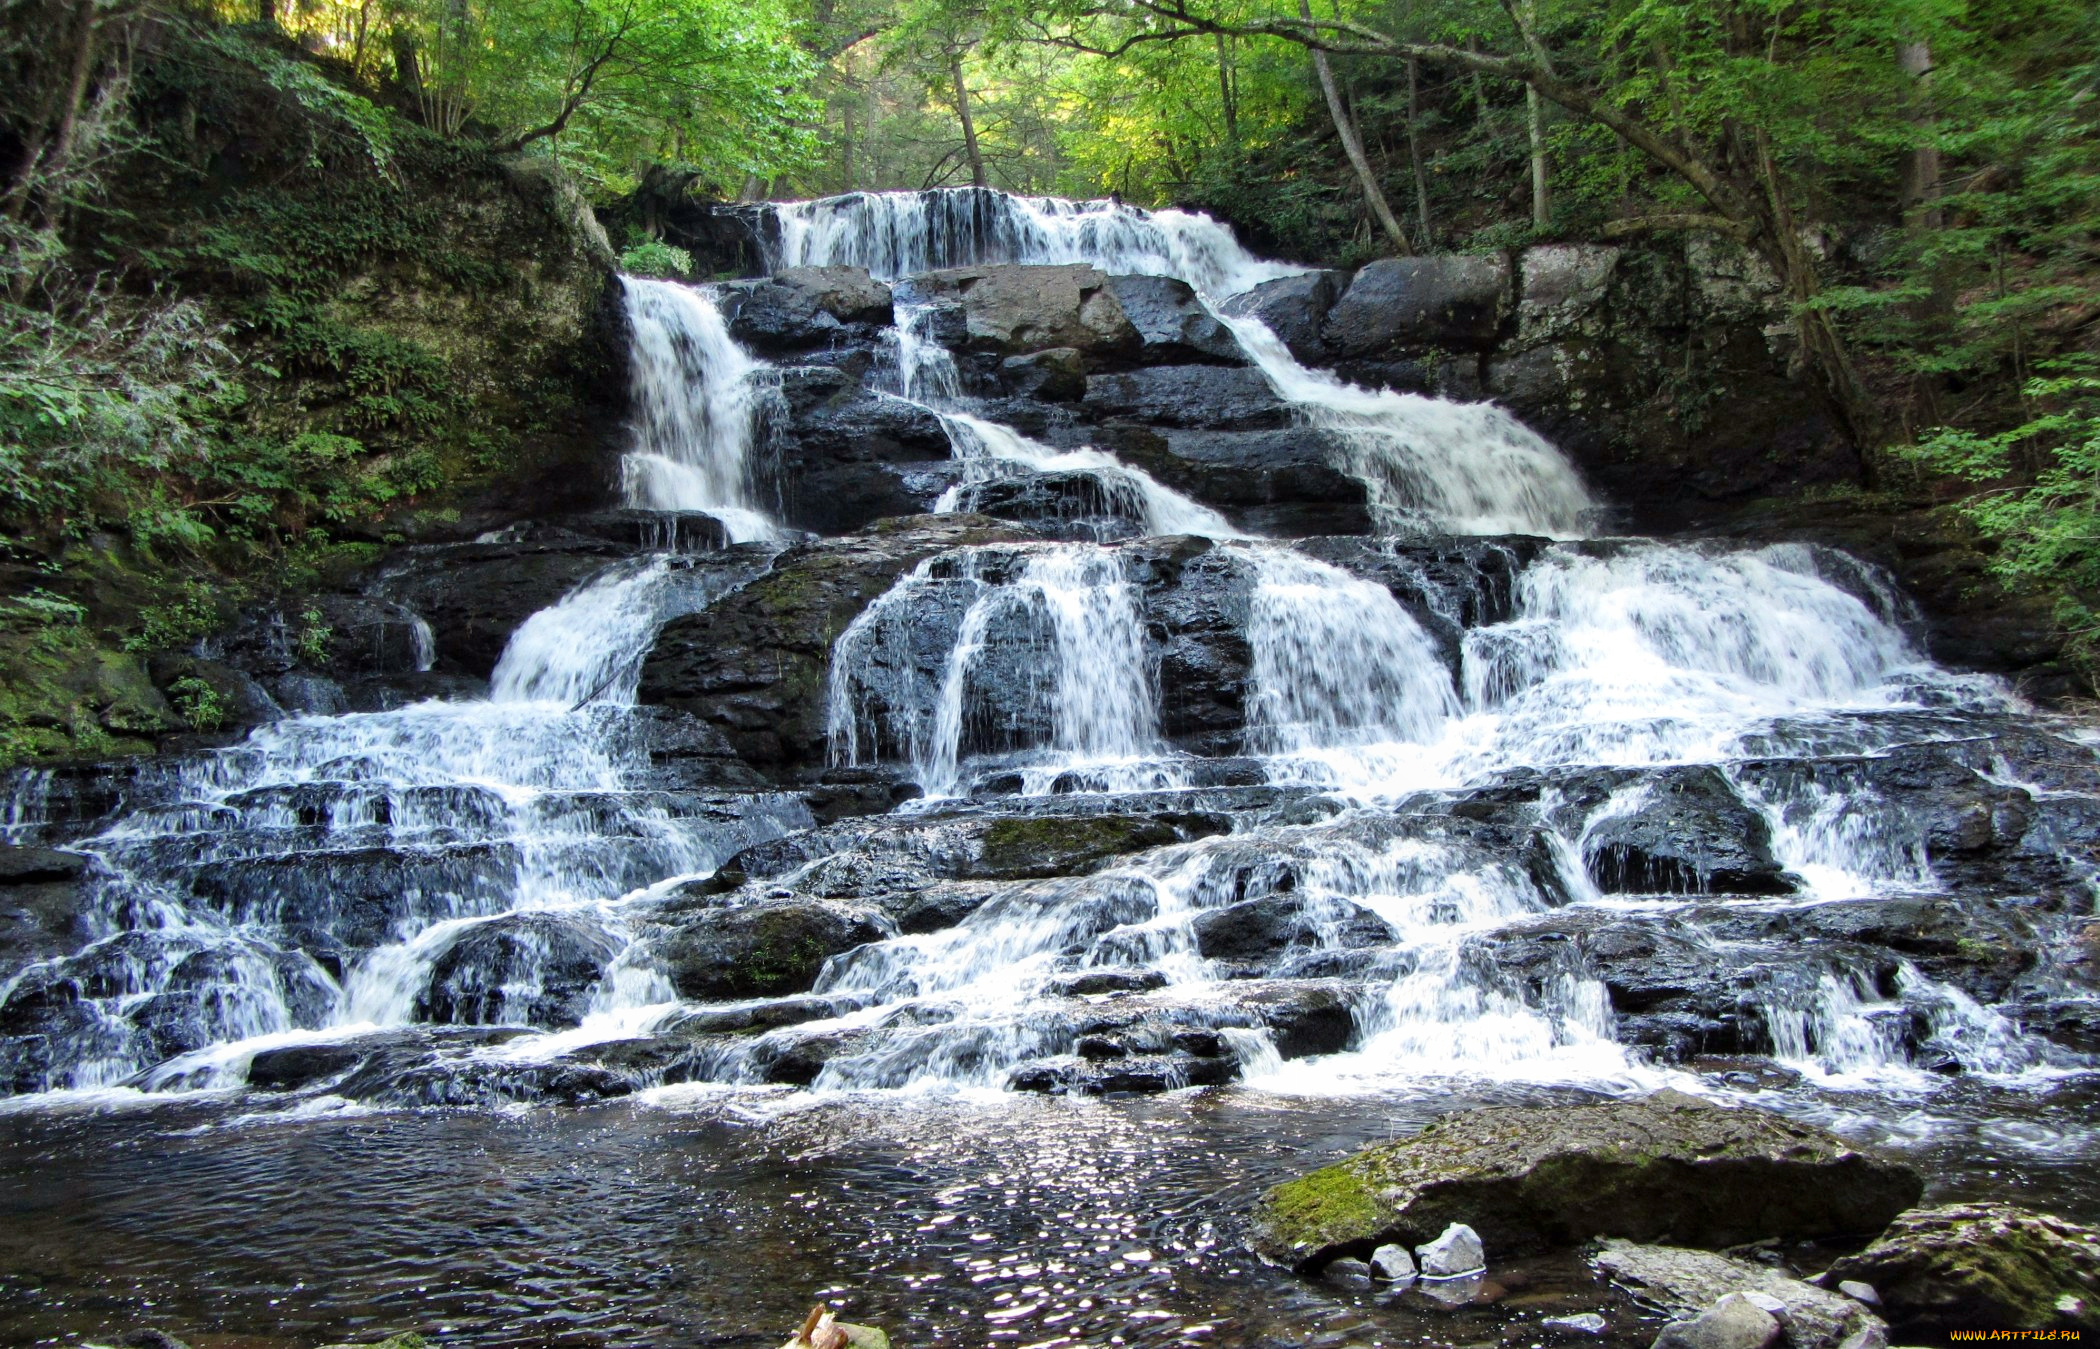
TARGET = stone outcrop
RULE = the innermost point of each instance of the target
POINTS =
(1669, 1166)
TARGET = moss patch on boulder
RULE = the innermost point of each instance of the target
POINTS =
(1981, 1267)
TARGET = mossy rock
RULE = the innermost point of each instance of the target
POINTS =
(1981, 1267)
(761, 950)
(1069, 845)
(1670, 1168)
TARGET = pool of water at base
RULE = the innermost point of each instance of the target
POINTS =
(713, 1217)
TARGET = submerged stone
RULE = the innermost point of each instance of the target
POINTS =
(1668, 1165)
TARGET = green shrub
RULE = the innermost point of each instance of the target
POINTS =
(654, 257)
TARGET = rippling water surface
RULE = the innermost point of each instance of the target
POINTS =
(716, 1218)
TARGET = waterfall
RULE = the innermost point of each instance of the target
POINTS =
(990, 451)
(702, 409)
(1337, 661)
(1059, 642)
(590, 644)
(1467, 468)
(899, 234)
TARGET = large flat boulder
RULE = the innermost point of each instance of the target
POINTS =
(1450, 302)
(1981, 1267)
(798, 308)
(1187, 395)
(1668, 1166)
(1013, 309)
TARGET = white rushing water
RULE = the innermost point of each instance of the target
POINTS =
(1428, 462)
(315, 879)
(990, 451)
(1337, 661)
(701, 410)
(1059, 643)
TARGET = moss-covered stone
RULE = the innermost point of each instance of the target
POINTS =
(1981, 1267)
(756, 951)
(1670, 1167)
(1069, 845)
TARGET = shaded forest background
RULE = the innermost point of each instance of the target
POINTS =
(204, 398)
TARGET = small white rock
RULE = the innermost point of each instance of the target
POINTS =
(1859, 1292)
(1392, 1263)
(1581, 1323)
(1457, 1251)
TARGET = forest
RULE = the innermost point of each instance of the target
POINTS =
(1921, 178)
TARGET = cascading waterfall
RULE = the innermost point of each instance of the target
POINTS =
(702, 409)
(330, 862)
(1337, 661)
(476, 862)
(1427, 462)
(989, 451)
(1061, 634)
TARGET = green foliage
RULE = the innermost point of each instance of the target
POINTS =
(199, 704)
(179, 622)
(310, 643)
(653, 257)
(2043, 507)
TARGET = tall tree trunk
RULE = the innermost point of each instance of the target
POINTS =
(1228, 101)
(1541, 183)
(1921, 176)
(969, 128)
(1353, 146)
(1414, 153)
(1823, 346)
(50, 142)
(408, 70)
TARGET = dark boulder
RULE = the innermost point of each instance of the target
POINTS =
(1980, 1266)
(1172, 325)
(755, 664)
(1294, 308)
(759, 950)
(1450, 302)
(1077, 505)
(1530, 1178)
(1056, 375)
(1687, 832)
(43, 906)
(1254, 933)
(293, 1067)
(533, 969)
(799, 308)
(1209, 396)
(1282, 483)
